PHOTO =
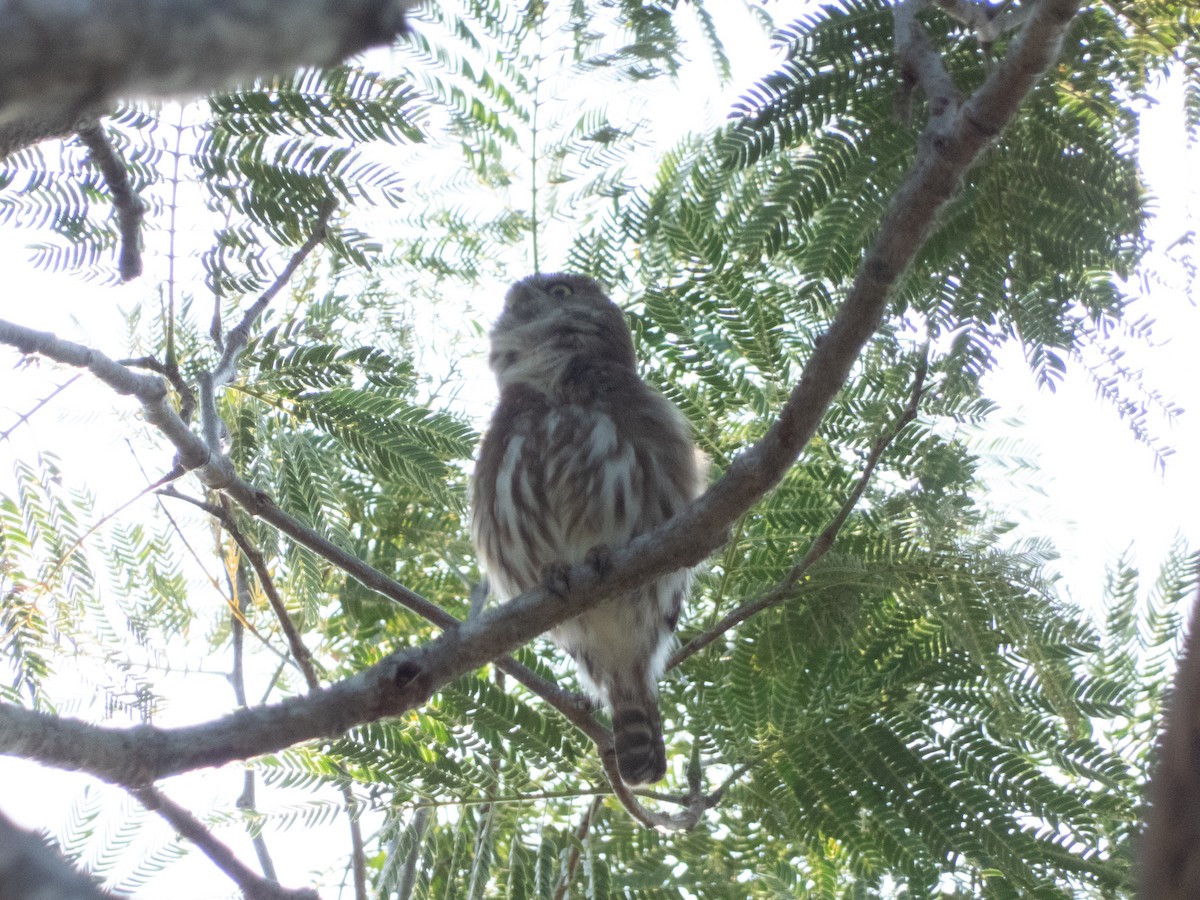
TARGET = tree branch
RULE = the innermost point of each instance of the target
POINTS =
(406, 679)
(128, 205)
(252, 885)
(987, 21)
(238, 337)
(585, 824)
(307, 667)
(30, 870)
(823, 543)
(1170, 852)
(695, 801)
(240, 588)
(59, 61)
(26, 416)
(576, 708)
(300, 654)
(920, 64)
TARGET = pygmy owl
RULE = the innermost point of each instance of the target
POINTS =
(582, 454)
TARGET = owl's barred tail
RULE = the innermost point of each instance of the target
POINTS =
(637, 733)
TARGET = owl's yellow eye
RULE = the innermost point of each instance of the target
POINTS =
(559, 289)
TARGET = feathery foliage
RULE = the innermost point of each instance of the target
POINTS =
(919, 711)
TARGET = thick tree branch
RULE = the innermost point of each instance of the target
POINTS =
(60, 61)
(407, 678)
(252, 885)
(1170, 852)
(988, 21)
(30, 870)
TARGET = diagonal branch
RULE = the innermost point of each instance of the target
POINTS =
(26, 416)
(407, 678)
(307, 667)
(823, 542)
(576, 708)
(238, 336)
(252, 885)
(31, 870)
(296, 644)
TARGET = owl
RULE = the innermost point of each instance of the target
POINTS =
(581, 454)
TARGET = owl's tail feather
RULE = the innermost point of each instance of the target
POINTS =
(637, 733)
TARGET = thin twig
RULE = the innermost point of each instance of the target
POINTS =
(175, 473)
(711, 799)
(577, 709)
(304, 660)
(406, 882)
(240, 588)
(239, 336)
(171, 491)
(25, 417)
(129, 207)
(535, 797)
(822, 544)
(300, 652)
(358, 848)
(252, 885)
(581, 833)
(682, 821)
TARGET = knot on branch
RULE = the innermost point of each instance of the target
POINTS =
(411, 682)
(214, 469)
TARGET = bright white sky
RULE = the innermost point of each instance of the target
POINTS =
(1096, 491)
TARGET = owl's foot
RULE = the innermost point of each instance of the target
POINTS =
(557, 579)
(600, 559)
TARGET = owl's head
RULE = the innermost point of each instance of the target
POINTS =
(550, 321)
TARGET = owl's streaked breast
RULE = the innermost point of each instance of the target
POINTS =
(582, 453)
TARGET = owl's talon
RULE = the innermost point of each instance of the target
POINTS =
(557, 579)
(600, 559)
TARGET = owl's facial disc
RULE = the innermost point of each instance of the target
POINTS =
(550, 319)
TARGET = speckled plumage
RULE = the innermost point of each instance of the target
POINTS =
(581, 453)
